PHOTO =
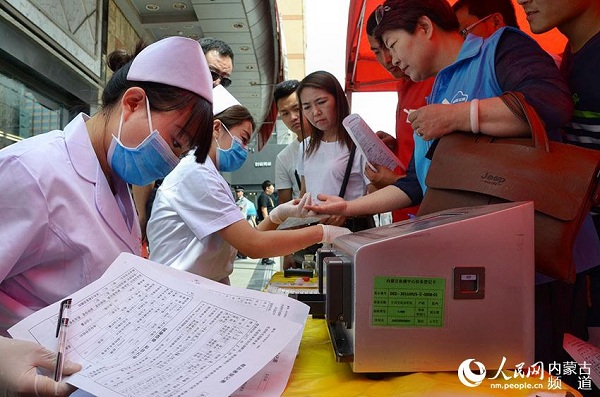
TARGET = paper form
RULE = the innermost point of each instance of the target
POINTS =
(370, 145)
(581, 352)
(138, 331)
(272, 379)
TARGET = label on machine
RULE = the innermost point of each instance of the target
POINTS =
(408, 302)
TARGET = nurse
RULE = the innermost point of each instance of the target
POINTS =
(66, 208)
(195, 223)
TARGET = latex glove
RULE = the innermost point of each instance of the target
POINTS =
(18, 374)
(292, 209)
(330, 233)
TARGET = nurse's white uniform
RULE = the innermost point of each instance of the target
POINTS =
(61, 224)
(192, 204)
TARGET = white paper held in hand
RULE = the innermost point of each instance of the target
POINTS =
(370, 144)
(169, 337)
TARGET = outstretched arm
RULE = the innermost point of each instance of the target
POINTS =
(383, 200)
(267, 243)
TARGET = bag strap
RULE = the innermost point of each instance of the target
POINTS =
(517, 103)
(347, 173)
(298, 179)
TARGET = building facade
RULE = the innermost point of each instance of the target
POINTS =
(53, 66)
(52, 61)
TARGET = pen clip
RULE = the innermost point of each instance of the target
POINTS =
(64, 304)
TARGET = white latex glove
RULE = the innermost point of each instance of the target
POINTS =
(18, 374)
(330, 233)
(293, 209)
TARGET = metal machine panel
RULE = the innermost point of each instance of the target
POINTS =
(431, 292)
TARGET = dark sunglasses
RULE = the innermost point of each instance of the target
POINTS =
(380, 12)
(225, 81)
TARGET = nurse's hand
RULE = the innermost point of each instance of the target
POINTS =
(292, 209)
(18, 370)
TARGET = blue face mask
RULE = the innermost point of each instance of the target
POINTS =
(233, 158)
(150, 160)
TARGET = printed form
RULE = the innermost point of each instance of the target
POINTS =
(272, 379)
(370, 144)
(584, 352)
(142, 330)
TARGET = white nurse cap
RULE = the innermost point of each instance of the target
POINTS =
(174, 61)
(222, 100)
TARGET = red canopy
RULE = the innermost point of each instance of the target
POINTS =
(363, 72)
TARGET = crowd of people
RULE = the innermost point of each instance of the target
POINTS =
(146, 167)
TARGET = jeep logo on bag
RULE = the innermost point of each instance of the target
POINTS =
(493, 179)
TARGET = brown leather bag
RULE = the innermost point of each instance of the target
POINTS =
(561, 179)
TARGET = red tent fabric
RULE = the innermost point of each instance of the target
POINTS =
(363, 72)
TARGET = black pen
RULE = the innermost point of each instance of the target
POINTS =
(61, 334)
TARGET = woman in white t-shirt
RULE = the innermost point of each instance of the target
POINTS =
(324, 158)
(195, 223)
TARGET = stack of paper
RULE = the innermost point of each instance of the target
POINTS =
(146, 329)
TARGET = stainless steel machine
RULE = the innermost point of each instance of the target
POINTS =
(428, 293)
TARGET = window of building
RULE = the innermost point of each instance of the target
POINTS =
(25, 112)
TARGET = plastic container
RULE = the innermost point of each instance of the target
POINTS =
(309, 263)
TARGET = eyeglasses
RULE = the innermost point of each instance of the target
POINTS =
(468, 29)
(225, 81)
(379, 13)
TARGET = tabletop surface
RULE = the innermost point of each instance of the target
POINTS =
(316, 373)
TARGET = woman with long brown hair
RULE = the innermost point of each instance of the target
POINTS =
(329, 162)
